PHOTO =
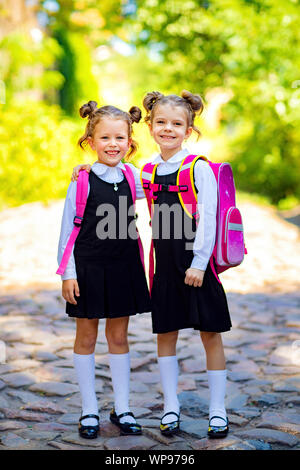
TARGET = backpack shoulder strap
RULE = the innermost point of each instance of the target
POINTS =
(188, 199)
(147, 178)
(185, 177)
(81, 198)
(128, 173)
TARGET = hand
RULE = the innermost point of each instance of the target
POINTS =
(194, 277)
(69, 287)
(79, 168)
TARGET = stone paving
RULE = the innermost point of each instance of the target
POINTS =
(39, 396)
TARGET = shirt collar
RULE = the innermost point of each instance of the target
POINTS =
(178, 157)
(101, 168)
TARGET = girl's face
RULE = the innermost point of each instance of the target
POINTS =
(169, 128)
(110, 141)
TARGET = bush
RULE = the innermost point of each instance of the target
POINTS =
(37, 153)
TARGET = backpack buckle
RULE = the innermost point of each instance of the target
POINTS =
(146, 185)
(183, 188)
(77, 220)
(163, 188)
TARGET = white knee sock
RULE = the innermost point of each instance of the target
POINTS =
(217, 388)
(120, 376)
(84, 365)
(168, 368)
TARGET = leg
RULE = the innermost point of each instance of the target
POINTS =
(212, 342)
(166, 344)
(84, 363)
(119, 361)
(216, 372)
(86, 336)
(116, 335)
(168, 367)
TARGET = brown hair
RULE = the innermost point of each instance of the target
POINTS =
(95, 115)
(193, 104)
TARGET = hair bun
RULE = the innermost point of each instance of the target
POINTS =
(88, 109)
(150, 100)
(135, 114)
(195, 101)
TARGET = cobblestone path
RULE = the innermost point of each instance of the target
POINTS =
(39, 397)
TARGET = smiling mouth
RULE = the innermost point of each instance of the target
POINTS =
(168, 137)
(112, 153)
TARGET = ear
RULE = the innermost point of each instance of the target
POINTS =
(188, 132)
(91, 143)
(150, 128)
(129, 142)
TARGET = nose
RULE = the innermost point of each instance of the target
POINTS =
(112, 143)
(168, 126)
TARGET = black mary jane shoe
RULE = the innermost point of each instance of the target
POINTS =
(88, 432)
(127, 429)
(216, 432)
(170, 428)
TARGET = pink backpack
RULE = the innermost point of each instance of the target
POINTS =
(81, 199)
(229, 246)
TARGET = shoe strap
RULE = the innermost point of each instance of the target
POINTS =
(89, 416)
(221, 417)
(128, 413)
(170, 413)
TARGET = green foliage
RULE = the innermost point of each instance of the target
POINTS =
(86, 17)
(243, 48)
(76, 67)
(26, 66)
(37, 152)
(251, 49)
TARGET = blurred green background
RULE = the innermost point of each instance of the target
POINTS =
(241, 56)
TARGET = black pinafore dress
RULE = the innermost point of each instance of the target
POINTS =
(175, 305)
(110, 273)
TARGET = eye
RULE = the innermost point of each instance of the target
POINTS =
(104, 137)
(120, 138)
(160, 121)
(178, 124)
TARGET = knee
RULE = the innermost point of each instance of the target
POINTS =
(169, 338)
(209, 338)
(166, 344)
(117, 338)
(87, 342)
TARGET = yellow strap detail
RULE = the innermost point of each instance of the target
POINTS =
(142, 178)
(192, 174)
(198, 157)
(179, 195)
(153, 173)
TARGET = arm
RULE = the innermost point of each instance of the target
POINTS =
(69, 282)
(79, 168)
(138, 183)
(206, 186)
(66, 230)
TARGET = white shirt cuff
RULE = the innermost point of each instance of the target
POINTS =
(198, 263)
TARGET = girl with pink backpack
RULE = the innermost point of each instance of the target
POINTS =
(102, 273)
(184, 190)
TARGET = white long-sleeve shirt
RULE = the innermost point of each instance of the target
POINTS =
(207, 204)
